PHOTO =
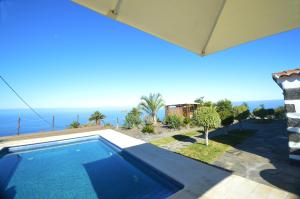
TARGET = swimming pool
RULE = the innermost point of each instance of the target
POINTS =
(84, 168)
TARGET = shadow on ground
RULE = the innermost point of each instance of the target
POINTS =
(263, 157)
(184, 138)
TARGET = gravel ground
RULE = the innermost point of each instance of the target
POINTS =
(160, 132)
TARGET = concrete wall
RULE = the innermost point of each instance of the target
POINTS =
(291, 92)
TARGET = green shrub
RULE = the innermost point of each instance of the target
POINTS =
(226, 118)
(148, 128)
(108, 125)
(270, 113)
(132, 121)
(173, 121)
(263, 113)
(259, 112)
(279, 113)
(186, 122)
(241, 112)
(74, 125)
(225, 111)
(133, 118)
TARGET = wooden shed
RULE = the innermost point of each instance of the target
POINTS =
(185, 110)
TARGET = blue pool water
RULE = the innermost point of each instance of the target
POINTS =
(83, 169)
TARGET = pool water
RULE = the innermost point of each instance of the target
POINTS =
(87, 169)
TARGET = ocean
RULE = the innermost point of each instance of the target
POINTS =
(30, 123)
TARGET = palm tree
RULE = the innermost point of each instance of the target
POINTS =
(97, 116)
(151, 105)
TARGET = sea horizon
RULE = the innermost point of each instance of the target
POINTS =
(30, 123)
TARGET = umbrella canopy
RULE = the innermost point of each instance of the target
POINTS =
(203, 26)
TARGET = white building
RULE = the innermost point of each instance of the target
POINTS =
(289, 81)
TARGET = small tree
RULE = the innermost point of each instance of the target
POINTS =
(225, 111)
(241, 113)
(202, 103)
(97, 116)
(133, 118)
(208, 118)
(199, 100)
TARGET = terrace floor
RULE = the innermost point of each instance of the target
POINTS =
(263, 157)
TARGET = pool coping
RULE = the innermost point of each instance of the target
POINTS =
(200, 180)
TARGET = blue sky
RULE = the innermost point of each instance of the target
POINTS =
(59, 54)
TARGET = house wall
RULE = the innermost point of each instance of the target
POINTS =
(291, 93)
(174, 111)
(182, 110)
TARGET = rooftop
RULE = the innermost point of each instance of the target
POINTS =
(182, 104)
(286, 73)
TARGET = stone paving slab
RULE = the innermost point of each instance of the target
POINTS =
(264, 158)
(236, 187)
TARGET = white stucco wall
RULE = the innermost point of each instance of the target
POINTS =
(289, 82)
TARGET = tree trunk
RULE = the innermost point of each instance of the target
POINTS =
(206, 137)
(154, 119)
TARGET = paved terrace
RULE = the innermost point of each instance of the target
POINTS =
(262, 157)
(200, 180)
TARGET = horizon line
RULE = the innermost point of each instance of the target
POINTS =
(126, 106)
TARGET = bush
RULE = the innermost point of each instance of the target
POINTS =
(74, 125)
(186, 122)
(133, 118)
(263, 113)
(270, 113)
(108, 125)
(226, 118)
(259, 112)
(148, 128)
(173, 121)
(279, 112)
(225, 111)
(241, 112)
